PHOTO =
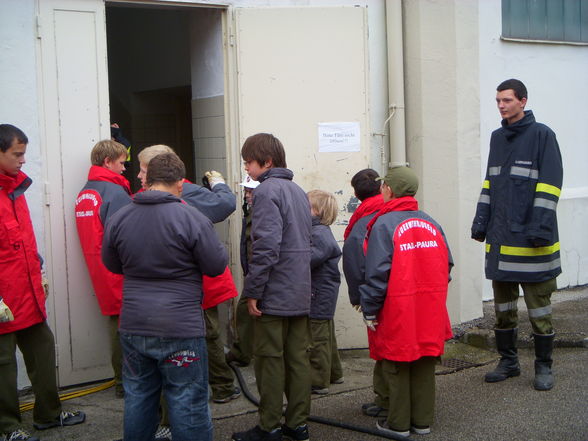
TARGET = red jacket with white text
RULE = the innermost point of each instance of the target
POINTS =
(102, 196)
(20, 266)
(405, 290)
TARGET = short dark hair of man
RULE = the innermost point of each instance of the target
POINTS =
(365, 185)
(519, 89)
(8, 133)
(166, 168)
(262, 147)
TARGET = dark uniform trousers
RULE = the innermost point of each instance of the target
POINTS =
(324, 354)
(37, 345)
(537, 298)
(281, 350)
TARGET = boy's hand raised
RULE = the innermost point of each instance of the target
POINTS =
(252, 307)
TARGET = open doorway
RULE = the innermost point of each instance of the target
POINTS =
(166, 83)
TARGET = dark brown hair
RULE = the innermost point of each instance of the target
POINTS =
(165, 168)
(262, 147)
(365, 185)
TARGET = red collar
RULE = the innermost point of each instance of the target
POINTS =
(406, 203)
(367, 207)
(98, 173)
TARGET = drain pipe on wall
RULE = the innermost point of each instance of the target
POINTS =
(396, 118)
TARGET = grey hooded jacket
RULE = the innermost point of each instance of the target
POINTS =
(279, 269)
(216, 204)
(326, 278)
(162, 246)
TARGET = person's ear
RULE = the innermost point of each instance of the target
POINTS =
(268, 163)
(180, 187)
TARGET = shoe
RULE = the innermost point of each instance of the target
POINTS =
(373, 410)
(338, 381)
(19, 435)
(543, 362)
(383, 426)
(319, 390)
(236, 394)
(421, 430)
(508, 366)
(163, 433)
(65, 418)
(257, 434)
(298, 434)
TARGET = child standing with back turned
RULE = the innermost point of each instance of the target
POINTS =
(277, 287)
(325, 281)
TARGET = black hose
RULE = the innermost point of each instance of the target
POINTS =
(316, 419)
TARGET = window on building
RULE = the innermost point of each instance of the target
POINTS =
(545, 20)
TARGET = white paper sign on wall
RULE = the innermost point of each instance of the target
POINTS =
(338, 137)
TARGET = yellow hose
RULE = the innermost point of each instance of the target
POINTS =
(69, 395)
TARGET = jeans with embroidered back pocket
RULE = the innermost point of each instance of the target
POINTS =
(179, 367)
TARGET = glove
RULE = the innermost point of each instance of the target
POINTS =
(371, 324)
(357, 308)
(5, 312)
(214, 178)
(45, 283)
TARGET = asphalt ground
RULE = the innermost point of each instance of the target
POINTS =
(467, 408)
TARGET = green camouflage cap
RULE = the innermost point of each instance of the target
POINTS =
(402, 180)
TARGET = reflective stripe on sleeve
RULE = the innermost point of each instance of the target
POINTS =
(487, 247)
(529, 251)
(545, 203)
(529, 267)
(484, 199)
(486, 184)
(494, 171)
(549, 189)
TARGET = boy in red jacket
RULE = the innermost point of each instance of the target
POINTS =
(105, 192)
(403, 302)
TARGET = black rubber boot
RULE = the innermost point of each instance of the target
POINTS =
(508, 366)
(543, 349)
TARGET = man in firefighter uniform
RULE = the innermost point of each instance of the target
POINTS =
(516, 215)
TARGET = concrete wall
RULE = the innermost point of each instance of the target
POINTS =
(556, 78)
(442, 122)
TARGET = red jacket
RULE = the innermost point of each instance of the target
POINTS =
(20, 267)
(407, 273)
(218, 289)
(104, 193)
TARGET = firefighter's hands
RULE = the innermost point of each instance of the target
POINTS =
(214, 178)
(5, 312)
(45, 283)
(357, 308)
(371, 324)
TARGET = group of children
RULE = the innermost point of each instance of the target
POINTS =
(290, 259)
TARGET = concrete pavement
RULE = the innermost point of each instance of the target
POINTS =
(467, 407)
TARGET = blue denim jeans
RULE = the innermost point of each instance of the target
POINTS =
(179, 366)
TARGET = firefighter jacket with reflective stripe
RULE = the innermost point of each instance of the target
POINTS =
(405, 290)
(20, 267)
(102, 196)
(516, 212)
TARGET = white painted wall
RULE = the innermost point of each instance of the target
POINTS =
(19, 106)
(556, 77)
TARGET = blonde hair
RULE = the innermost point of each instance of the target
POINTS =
(148, 153)
(107, 149)
(324, 205)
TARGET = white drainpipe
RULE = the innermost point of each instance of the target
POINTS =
(395, 43)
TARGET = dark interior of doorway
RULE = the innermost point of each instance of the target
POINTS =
(150, 81)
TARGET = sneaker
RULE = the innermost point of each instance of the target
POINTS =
(383, 426)
(257, 434)
(163, 433)
(19, 435)
(236, 394)
(373, 410)
(65, 418)
(421, 430)
(298, 434)
(338, 381)
(320, 390)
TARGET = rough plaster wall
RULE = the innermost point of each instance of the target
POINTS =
(442, 132)
(556, 79)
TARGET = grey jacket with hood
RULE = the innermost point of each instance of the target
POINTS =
(325, 275)
(279, 269)
(162, 246)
